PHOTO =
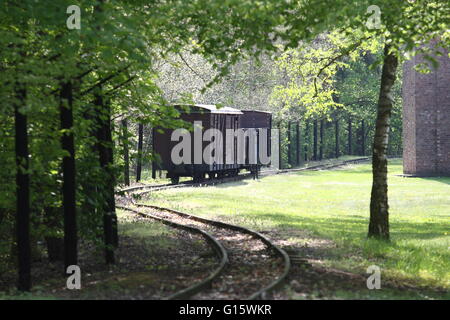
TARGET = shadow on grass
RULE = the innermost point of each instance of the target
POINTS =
(357, 226)
(445, 180)
(405, 254)
(232, 184)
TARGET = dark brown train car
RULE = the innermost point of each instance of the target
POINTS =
(210, 117)
(256, 120)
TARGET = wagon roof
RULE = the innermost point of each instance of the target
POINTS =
(259, 111)
(211, 108)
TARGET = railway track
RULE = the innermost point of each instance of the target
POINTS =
(316, 167)
(140, 190)
(248, 260)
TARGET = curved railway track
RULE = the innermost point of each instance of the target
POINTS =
(216, 245)
(248, 260)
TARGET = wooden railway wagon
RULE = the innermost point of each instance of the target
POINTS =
(210, 117)
(253, 119)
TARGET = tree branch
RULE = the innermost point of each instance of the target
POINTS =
(102, 81)
(120, 85)
(187, 64)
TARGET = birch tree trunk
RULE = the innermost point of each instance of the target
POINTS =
(379, 209)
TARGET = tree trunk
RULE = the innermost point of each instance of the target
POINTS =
(350, 134)
(336, 124)
(363, 138)
(68, 170)
(89, 195)
(139, 158)
(55, 244)
(105, 157)
(126, 153)
(307, 138)
(379, 208)
(315, 141)
(297, 157)
(23, 194)
(111, 200)
(289, 144)
(322, 123)
(280, 154)
(336, 133)
(153, 154)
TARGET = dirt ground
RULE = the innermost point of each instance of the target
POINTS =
(146, 268)
(155, 267)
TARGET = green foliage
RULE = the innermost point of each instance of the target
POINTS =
(310, 73)
(115, 55)
(112, 55)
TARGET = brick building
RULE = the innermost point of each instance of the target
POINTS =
(426, 119)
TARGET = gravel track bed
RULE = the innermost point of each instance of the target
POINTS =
(252, 265)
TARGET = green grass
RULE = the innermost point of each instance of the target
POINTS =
(146, 230)
(335, 205)
(146, 177)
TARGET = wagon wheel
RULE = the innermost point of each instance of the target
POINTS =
(221, 174)
(233, 173)
(199, 177)
(212, 175)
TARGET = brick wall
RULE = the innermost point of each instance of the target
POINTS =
(426, 119)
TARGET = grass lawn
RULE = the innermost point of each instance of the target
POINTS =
(334, 205)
